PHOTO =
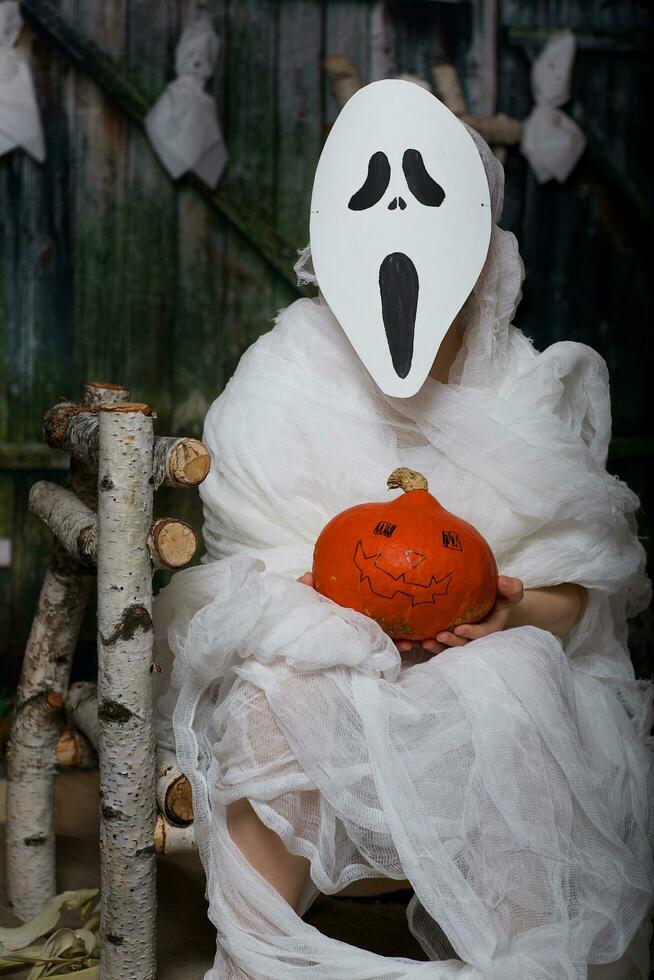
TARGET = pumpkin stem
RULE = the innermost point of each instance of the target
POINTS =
(404, 479)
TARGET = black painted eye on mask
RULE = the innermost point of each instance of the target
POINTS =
(423, 187)
(374, 187)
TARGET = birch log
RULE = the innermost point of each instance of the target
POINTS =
(126, 737)
(31, 754)
(75, 751)
(70, 520)
(78, 743)
(178, 461)
(174, 795)
(498, 130)
(169, 839)
(448, 87)
(82, 710)
(171, 543)
(343, 76)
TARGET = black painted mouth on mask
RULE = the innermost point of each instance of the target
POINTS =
(398, 286)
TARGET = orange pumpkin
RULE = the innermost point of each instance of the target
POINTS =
(408, 564)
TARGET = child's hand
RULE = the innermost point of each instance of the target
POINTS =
(510, 591)
(402, 645)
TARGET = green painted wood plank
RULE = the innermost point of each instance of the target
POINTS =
(594, 17)
(101, 211)
(37, 334)
(345, 32)
(6, 532)
(611, 41)
(31, 456)
(199, 338)
(250, 126)
(107, 74)
(150, 219)
(299, 115)
(37, 329)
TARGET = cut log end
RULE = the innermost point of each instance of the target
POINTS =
(104, 386)
(97, 392)
(127, 408)
(75, 750)
(188, 463)
(179, 802)
(172, 543)
(55, 700)
(57, 420)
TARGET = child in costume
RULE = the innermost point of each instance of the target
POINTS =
(505, 776)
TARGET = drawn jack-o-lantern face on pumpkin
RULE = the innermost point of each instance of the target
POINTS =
(407, 563)
(400, 227)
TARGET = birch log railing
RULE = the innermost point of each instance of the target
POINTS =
(102, 521)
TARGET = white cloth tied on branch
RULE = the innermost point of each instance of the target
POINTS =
(551, 140)
(183, 124)
(20, 120)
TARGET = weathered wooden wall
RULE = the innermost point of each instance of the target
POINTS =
(109, 270)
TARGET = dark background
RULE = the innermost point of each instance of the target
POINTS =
(109, 270)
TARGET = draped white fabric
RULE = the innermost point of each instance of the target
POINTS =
(508, 780)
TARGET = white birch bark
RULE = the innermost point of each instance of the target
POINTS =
(126, 737)
(98, 392)
(178, 461)
(31, 755)
(171, 543)
(169, 839)
(82, 710)
(32, 751)
(70, 520)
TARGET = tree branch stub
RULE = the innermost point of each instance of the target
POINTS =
(75, 751)
(172, 543)
(174, 795)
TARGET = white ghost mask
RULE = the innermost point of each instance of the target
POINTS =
(400, 227)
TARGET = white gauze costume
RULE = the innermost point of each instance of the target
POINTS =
(507, 780)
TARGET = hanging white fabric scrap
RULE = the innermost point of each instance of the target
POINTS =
(183, 124)
(20, 121)
(551, 140)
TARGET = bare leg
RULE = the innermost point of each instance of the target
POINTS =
(267, 854)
